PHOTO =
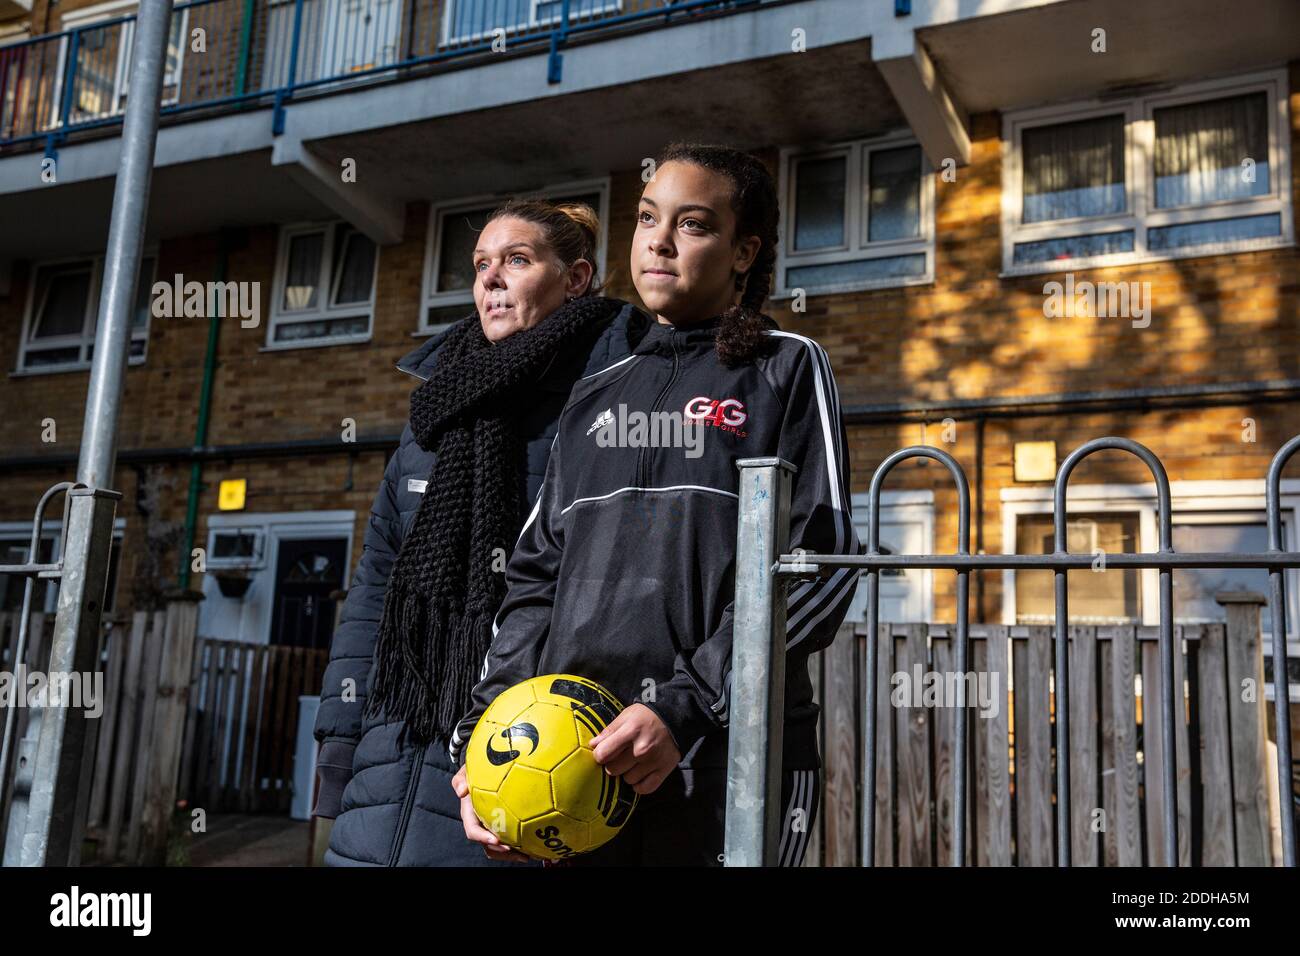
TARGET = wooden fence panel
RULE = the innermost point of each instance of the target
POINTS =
(1217, 844)
(1153, 755)
(840, 799)
(1084, 797)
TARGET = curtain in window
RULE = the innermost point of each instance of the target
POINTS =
(1201, 149)
(456, 247)
(1074, 169)
(356, 268)
(62, 293)
(303, 272)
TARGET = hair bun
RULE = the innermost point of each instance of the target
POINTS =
(582, 214)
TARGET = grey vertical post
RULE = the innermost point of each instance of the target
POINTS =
(56, 807)
(757, 705)
(52, 835)
(1281, 679)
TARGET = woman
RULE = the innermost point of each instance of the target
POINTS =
(417, 620)
(653, 623)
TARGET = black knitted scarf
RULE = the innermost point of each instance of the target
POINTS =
(447, 582)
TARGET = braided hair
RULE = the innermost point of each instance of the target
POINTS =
(568, 228)
(754, 200)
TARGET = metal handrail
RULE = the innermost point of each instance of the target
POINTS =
(50, 112)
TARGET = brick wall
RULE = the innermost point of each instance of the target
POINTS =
(970, 335)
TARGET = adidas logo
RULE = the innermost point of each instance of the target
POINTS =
(604, 418)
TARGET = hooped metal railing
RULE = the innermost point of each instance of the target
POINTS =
(758, 670)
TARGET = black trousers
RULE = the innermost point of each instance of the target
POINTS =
(681, 823)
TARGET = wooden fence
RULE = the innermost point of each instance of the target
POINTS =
(242, 724)
(1115, 761)
(209, 722)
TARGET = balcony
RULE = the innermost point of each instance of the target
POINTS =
(230, 55)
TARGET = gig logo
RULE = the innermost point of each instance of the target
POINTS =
(498, 757)
(728, 413)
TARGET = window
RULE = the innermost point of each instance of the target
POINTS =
(453, 233)
(103, 69)
(468, 22)
(324, 286)
(236, 547)
(1106, 597)
(1201, 170)
(1207, 516)
(15, 543)
(860, 215)
(63, 314)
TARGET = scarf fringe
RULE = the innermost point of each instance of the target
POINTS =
(447, 653)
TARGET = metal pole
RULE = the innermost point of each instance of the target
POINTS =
(54, 817)
(1281, 681)
(752, 830)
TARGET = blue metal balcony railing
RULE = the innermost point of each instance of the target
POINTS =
(226, 55)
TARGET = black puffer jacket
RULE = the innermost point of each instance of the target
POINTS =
(394, 806)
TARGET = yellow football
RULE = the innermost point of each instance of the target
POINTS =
(533, 778)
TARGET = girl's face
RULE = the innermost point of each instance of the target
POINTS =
(518, 280)
(686, 255)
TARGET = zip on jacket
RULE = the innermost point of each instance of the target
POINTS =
(624, 572)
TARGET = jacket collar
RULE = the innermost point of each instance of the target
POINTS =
(663, 338)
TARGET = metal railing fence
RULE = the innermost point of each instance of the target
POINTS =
(758, 670)
(225, 55)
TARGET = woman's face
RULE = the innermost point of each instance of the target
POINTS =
(686, 255)
(518, 279)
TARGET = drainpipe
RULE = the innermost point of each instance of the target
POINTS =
(245, 48)
(201, 428)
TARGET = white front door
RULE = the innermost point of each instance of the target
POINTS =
(906, 527)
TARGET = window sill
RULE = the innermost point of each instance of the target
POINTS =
(1133, 259)
(785, 295)
(314, 343)
(59, 369)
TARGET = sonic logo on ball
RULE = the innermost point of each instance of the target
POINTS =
(505, 756)
(550, 836)
(553, 797)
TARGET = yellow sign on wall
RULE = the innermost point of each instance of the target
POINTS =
(1035, 460)
(230, 495)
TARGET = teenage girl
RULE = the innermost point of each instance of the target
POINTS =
(624, 572)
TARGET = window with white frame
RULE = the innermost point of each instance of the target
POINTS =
(467, 21)
(1207, 516)
(324, 290)
(104, 58)
(453, 235)
(63, 314)
(15, 546)
(1200, 170)
(858, 215)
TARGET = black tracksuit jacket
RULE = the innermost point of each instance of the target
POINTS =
(624, 572)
